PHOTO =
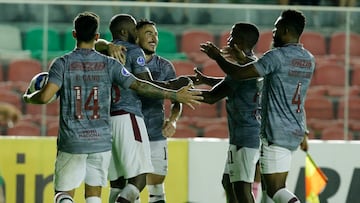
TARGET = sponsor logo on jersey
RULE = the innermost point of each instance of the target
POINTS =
(125, 72)
(141, 61)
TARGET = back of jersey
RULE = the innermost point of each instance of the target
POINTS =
(85, 84)
(288, 71)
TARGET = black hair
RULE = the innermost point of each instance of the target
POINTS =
(246, 32)
(293, 20)
(86, 26)
(119, 22)
(141, 23)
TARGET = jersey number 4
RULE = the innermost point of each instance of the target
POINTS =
(296, 98)
(91, 103)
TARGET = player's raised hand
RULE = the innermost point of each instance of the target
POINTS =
(189, 96)
(117, 51)
(210, 49)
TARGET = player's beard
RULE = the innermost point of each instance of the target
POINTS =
(148, 52)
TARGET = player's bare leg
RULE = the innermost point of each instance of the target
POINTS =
(230, 196)
(155, 185)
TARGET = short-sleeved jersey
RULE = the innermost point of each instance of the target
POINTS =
(287, 72)
(135, 63)
(243, 111)
(153, 109)
(85, 78)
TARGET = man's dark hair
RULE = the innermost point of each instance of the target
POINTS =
(293, 20)
(141, 23)
(248, 33)
(86, 25)
(119, 22)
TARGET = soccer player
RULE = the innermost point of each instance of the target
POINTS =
(287, 70)
(153, 110)
(83, 78)
(131, 160)
(243, 113)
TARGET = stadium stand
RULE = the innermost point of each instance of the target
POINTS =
(264, 42)
(24, 129)
(337, 45)
(34, 42)
(11, 44)
(183, 67)
(211, 68)
(168, 46)
(23, 69)
(190, 44)
(332, 76)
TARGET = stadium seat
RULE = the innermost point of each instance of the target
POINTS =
(264, 43)
(202, 110)
(52, 129)
(319, 107)
(185, 132)
(24, 129)
(216, 131)
(11, 97)
(11, 47)
(34, 42)
(190, 44)
(337, 46)
(315, 42)
(183, 67)
(211, 68)
(168, 46)
(2, 77)
(52, 109)
(333, 133)
(23, 69)
(332, 76)
(354, 108)
(355, 76)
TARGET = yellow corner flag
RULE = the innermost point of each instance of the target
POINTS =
(315, 180)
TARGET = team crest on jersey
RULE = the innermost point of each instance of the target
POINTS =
(141, 61)
(125, 72)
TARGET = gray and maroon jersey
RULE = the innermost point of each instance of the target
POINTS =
(85, 78)
(153, 109)
(243, 111)
(135, 63)
(287, 72)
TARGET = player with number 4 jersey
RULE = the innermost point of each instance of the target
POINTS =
(287, 70)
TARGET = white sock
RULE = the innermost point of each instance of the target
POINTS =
(130, 192)
(93, 199)
(265, 198)
(284, 195)
(63, 197)
(114, 192)
(156, 192)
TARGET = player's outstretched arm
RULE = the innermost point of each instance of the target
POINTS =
(199, 78)
(236, 71)
(184, 95)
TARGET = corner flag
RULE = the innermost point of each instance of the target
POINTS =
(315, 180)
